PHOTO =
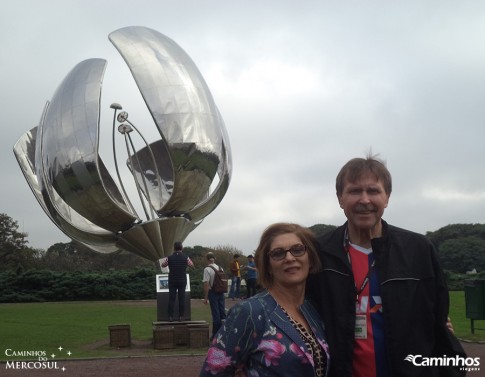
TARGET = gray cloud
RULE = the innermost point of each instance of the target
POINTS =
(302, 89)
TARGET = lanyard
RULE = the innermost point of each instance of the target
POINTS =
(369, 272)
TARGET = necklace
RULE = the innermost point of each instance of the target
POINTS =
(319, 357)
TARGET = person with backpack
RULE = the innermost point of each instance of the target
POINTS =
(213, 294)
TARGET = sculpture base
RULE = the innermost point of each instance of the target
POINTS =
(192, 334)
(119, 335)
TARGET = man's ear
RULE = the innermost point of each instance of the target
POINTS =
(387, 201)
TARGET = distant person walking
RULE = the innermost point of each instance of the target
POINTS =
(251, 276)
(216, 300)
(177, 279)
(236, 278)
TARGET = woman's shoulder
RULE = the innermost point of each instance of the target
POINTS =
(249, 316)
(261, 302)
(262, 298)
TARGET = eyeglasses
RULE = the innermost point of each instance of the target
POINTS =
(280, 253)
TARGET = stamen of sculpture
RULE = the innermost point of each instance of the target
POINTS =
(173, 175)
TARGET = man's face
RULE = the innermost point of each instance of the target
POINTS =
(363, 201)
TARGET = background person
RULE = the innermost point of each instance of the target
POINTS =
(177, 279)
(251, 276)
(216, 300)
(235, 268)
(276, 332)
(381, 292)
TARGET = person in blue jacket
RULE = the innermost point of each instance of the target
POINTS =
(276, 332)
(251, 276)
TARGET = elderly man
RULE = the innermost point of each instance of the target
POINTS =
(381, 292)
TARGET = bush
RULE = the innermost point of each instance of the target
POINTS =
(46, 285)
(456, 281)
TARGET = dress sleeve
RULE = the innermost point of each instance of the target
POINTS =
(232, 345)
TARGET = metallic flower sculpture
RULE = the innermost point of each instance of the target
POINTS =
(59, 158)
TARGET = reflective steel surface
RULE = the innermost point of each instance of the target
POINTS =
(61, 163)
(183, 109)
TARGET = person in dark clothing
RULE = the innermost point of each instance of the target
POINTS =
(251, 276)
(381, 292)
(177, 279)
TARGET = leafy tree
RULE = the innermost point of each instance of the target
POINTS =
(460, 246)
(320, 229)
(463, 254)
(14, 253)
(73, 256)
(9, 234)
(223, 254)
(454, 231)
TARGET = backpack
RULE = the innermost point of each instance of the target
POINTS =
(220, 284)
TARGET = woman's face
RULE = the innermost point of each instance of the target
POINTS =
(290, 270)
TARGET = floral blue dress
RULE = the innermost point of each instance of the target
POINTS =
(258, 338)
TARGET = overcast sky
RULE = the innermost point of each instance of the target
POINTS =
(303, 86)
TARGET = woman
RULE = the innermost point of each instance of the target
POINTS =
(276, 332)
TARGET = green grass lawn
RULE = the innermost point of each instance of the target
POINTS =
(82, 327)
(79, 326)
(460, 323)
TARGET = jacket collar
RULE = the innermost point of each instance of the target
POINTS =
(379, 243)
(281, 321)
(333, 243)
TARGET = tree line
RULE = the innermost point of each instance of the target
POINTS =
(70, 271)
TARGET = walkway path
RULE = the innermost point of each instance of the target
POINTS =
(166, 366)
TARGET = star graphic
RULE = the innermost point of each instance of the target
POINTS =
(60, 348)
(53, 356)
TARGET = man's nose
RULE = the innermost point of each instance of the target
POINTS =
(364, 198)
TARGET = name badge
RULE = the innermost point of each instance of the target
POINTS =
(360, 326)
